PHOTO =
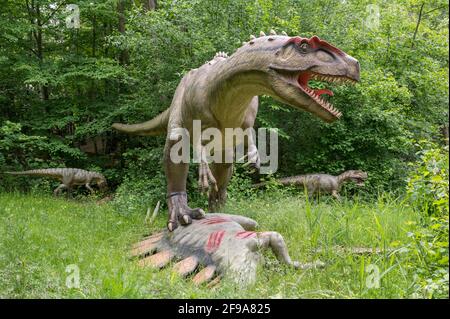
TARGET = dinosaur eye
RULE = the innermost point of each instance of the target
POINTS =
(304, 46)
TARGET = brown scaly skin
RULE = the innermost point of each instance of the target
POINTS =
(323, 183)
(223, 93)
(69, 177)
(225, 245)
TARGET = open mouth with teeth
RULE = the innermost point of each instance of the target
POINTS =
(316, 94)
(358, 181)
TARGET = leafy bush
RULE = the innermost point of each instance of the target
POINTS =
(137, 195)
(428, 192)
(428, 183)
(144, 182)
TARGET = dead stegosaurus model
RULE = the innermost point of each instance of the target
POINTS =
(224, 245)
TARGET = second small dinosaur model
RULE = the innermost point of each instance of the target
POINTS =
(223, 93)
(323, 183)
(69, 177)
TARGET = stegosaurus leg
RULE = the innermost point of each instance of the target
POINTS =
(276, 242)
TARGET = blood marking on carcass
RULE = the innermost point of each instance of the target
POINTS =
(214, 220)
(214, 241)
(245, 234)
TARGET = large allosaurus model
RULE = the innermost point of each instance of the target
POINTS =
(69, 177)
(223, 93)
(322, 183)
(223, 244)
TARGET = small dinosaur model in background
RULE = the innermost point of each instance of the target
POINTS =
(323, 183)
(225, 245)
(223, 93)
(69, 177)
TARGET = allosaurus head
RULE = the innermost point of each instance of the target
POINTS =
(356, 176)
(291, 62)
(101, 182)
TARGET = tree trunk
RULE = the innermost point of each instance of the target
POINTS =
(40, 50)
(150, 5)
(417, 25)
(124, 57)
(444, 131)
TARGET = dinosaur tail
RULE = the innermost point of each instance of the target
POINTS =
(155, 126)
(282, 181)
(258, 185)
(292, 180)
(38, 172)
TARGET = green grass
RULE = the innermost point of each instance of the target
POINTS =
(40, 236)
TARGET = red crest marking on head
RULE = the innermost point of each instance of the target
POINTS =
(214, 241)
(245, 234)
(316, 43)
(214, 220)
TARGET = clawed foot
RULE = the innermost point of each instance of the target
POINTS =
(253, 160)
(180, 212)
(205, 178)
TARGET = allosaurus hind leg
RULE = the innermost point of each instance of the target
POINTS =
(59, 189)
(176, 174)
